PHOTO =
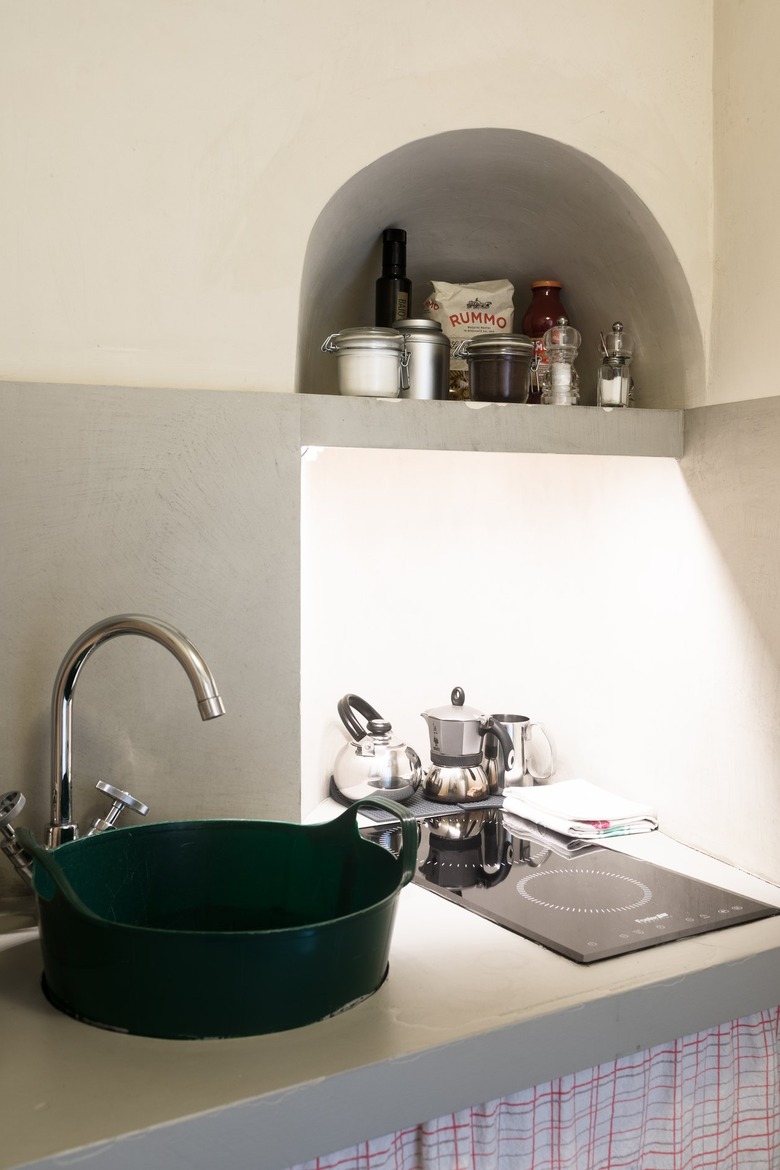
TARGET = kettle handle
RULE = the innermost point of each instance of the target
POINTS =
(347, 706)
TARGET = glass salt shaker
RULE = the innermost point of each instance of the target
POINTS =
(560, 381)
(614, 383)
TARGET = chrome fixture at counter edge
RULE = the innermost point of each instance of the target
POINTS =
(11, 804)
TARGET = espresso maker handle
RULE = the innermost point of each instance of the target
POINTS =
(489, 726)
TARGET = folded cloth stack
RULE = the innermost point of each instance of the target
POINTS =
(577, 808)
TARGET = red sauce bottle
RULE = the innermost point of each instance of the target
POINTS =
(542, 313)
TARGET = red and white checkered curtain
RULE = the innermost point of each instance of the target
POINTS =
(710, 1100)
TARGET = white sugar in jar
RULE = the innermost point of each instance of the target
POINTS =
(371, 362)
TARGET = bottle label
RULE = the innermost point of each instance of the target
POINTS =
(402, 306)
(540, 353)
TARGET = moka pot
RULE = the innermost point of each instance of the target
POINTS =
(456, 775)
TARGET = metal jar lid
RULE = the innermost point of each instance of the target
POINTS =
(495, 345)
(422, 329)
(364, 338)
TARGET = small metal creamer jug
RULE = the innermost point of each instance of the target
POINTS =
(524, 771)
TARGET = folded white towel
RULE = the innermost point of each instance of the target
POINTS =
(578, 808)
(559, 843)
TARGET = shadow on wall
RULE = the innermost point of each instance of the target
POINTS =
(489, 203)
(732, 471)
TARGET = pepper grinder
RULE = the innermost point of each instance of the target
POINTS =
(560, 381)
(614, 382)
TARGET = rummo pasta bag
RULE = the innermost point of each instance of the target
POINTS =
(466, 310)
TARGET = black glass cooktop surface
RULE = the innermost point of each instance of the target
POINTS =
(588, 905)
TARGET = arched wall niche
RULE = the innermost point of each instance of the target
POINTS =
(483, 204)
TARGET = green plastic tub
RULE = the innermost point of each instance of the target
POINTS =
(222, 928)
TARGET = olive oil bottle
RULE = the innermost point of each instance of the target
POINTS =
(393, 288)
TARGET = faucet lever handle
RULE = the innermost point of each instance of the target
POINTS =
(11, 804)
(122, 800)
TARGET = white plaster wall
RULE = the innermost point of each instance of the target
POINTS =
(747, 184)
(586, 592)
(163, 161)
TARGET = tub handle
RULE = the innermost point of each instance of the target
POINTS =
(409, 830)
(46, 859)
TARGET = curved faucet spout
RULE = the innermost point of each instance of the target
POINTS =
(63, 827)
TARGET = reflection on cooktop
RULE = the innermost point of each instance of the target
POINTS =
(591, 905)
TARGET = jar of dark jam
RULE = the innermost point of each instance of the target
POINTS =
(499, 366)
(542, 313)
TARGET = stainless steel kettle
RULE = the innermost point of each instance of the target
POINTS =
(374, 762)
(456, 775)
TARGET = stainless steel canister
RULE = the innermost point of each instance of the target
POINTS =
(429, 361)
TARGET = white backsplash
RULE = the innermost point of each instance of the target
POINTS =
(585, 592)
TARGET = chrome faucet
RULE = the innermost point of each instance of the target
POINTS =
(63, 827)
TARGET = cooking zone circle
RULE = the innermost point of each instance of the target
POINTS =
(587, 891)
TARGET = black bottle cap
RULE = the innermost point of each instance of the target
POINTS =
(394, 251)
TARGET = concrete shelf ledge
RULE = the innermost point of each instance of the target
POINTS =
(335, 421)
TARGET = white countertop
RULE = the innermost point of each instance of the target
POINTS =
(470, 1012)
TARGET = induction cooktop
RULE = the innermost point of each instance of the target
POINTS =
(591, 904)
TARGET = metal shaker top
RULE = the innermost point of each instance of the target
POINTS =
(618, 343)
